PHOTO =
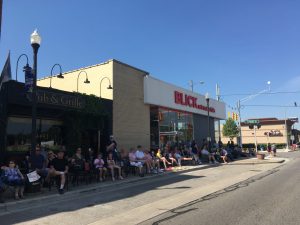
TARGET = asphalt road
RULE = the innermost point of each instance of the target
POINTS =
(270, 198)
(249, 202)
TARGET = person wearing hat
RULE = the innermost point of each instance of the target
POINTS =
(59, 167)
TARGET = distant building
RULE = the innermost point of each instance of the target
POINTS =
(272, 130)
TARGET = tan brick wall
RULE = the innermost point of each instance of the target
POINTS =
(249, 137)
(95, 74)
(131, 116)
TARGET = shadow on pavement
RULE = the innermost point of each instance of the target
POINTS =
(110, 193)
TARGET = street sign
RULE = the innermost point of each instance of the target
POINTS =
(252, 121)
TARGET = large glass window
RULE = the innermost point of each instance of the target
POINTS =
(19, 133)
(175, 127)
(217, 128)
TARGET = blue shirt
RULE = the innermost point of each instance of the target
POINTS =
(37, 161)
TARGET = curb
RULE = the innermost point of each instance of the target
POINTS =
(9, 207)
(52, 196)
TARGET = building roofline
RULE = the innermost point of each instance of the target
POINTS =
(99, 64)
(125, 64)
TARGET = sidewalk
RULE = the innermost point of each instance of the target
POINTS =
(52, 196)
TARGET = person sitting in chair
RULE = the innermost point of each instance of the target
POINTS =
(135, 162)
(59, 167)
(100, 167)
(111, 164)
(13, 177)
(38, 162)
(211, 157)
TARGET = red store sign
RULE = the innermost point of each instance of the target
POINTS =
(190, 101)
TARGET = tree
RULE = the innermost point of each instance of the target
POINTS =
(230, 129)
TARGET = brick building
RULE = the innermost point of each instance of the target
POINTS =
(272, 130)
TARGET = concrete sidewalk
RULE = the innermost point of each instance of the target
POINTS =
(52, 196)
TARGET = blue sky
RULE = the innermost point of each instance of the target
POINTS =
(238, 44)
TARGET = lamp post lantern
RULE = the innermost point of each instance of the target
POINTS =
(27, 65)
(109, 86)
(208, 123)
(86, 78)
(35, 40)
(59, 75)
(192, 84)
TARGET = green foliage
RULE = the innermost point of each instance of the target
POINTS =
(76, 122)
(230, 129)
(94, 106)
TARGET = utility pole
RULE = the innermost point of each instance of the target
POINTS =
(246, 99)
(218, 99)
(240, 123)
(191, 83)
(255, 127)
(286, 132)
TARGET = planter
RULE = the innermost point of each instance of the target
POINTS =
(260, 156)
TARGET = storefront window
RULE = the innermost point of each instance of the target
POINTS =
(19, 133)
(217, 130)
(175, 127)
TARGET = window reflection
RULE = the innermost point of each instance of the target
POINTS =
(19, 133)
(175, 128)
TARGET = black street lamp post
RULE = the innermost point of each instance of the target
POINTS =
(27, 65)
(35, 40)
(59, 75)
(109, 86)
(86, 78)
(208, 122)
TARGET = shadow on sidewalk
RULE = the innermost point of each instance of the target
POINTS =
(93, 197)
(254, 163)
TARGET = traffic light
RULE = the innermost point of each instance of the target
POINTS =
(235, 116)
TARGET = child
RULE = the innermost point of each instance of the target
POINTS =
(112, 166)
(13, 177)
(224, 154)
(169, 156)
(99, 165)
(178, 156)
(162, 158)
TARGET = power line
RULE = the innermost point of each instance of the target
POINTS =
(283, 106)
(267, 93)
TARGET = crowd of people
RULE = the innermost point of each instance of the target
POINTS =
(112, 162)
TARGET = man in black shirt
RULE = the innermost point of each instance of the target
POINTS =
(59, 167)
(112, 148)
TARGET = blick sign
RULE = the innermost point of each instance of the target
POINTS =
(190, 101)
